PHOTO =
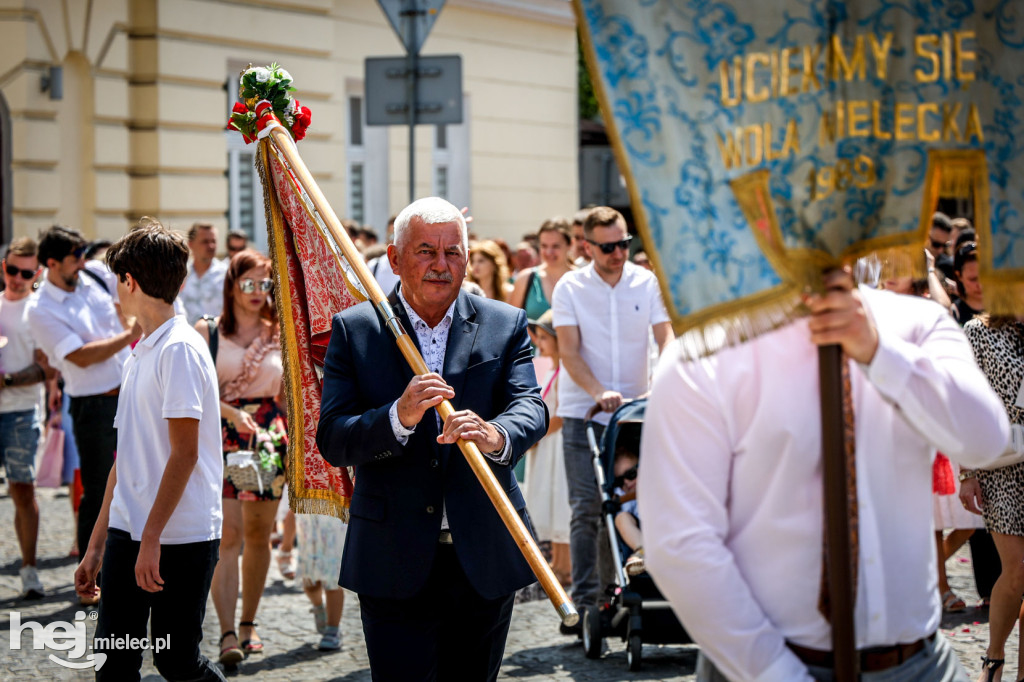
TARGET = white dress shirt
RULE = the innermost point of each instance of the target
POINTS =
(730, 486)
(204, 295)
(433, 346)
(64, 321)
(169, 375)
(614, 324)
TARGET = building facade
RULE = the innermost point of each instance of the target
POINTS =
(114, 109)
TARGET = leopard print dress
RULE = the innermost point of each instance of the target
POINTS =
(1000, 353)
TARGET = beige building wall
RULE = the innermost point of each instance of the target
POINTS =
(140, 127)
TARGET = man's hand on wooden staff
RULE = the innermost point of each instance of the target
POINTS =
(423, 393)
(839, 316)
(470, 426)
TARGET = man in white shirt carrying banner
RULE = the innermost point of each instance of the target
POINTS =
(732, 492)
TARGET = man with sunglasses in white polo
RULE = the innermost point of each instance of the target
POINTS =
(74, 321)
(24, 368)
(603, 315)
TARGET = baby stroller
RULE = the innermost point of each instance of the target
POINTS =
(633, 608)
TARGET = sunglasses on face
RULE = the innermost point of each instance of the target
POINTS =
(80, 251)
(939, 245)
(627, 475)
(14, 272)
(608, 248)
(248, 286)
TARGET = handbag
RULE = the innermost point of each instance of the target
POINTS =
(245, 470)
(1014, 452)
(51, 463)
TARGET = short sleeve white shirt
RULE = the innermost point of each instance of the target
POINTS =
(17, 354)
(169, 375)
(64, 321)
(614, 324)
(204, 295)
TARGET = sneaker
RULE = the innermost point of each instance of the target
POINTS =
(31, 587)
(331, 641)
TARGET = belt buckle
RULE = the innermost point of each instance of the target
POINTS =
(445, 537)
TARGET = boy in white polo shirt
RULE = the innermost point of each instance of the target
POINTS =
(158, 534)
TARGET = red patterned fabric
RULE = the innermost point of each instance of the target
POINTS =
(311, 288)
(942, 476)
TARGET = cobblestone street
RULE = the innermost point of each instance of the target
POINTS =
(535, 650)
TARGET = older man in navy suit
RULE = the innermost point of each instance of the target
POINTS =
(434, 567)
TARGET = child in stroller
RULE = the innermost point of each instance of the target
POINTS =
(627, 521)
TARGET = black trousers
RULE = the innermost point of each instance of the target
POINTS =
(176, 613)
(447, 632)
(92, 419)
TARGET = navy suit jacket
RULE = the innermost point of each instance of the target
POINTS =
(395, 513)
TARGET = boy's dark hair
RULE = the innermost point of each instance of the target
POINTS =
(59, 242)
(156, 257)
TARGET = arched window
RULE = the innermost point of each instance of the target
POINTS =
(6, 228)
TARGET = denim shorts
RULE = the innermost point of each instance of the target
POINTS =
(19, 441)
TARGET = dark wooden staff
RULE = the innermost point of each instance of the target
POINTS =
(837, 514)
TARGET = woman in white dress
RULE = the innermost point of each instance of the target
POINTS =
(547, 491)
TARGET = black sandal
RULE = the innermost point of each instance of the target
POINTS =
(990, 666)
(231, 655)
(250, 646)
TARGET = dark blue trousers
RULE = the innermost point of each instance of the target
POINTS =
(447, 632)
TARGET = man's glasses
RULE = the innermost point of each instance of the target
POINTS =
(248, 285)
(627, 475)
(15, 271)
(608, 248)
(939, 245)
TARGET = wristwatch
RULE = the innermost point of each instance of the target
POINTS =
(8, 380)
(964, 475)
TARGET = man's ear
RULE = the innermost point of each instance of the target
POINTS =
(393, 258)
(130, 282)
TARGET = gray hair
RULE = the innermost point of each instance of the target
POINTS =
(432, 211)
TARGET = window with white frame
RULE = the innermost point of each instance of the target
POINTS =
(366, 162)
(450, 162)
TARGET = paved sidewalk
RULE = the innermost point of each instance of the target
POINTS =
(535, 651)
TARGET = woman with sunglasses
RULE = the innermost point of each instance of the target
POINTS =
(249, 371)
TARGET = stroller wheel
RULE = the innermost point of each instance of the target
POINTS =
(592, 631)
(634, 650)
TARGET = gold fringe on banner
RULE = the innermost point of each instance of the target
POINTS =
(301, 500)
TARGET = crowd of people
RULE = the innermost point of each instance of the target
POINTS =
(572, 318)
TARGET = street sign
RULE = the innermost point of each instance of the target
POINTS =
(438, 97)
(412, 20)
